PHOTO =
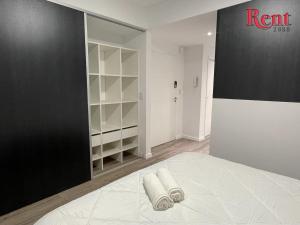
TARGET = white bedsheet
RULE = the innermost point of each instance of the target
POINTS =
(217, 192)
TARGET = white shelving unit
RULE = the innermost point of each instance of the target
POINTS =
(94, 89)
(110, 89)
(110, 60)
(113, 98)
(95, 119)
(129, 114)
(130, 63)
(93, 58)
(111, 117)
(129, 89)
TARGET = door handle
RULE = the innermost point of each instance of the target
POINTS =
(175, 99)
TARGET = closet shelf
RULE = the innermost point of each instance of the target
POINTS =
(111, 152)
(129, 146)
(96, 157)
(110, 102)
(110, 127)
(110, 75)
(129, 101)
(95, 104)
(130, 155)
(111, 162)
(95, 132)
(128, 125)
(97, 167)
(130, 75)
(129, 158)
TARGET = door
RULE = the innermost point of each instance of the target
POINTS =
(163, 94)
(209, 95)
(44, 132)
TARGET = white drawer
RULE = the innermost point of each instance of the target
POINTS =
(96, 140)
(111, 136)
(130, 132)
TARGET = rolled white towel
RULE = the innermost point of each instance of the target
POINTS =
(156, 193)
(175, 192)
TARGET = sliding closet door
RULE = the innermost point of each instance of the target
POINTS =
(44, 135)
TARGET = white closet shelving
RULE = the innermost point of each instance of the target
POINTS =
(129, 63)
(111, 117)
(110, 89)
(110, 60)
(113, 98)
(129, 114)
(93, 58)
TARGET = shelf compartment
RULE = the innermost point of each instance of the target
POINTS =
(97, 167)
(111, 148)
(110, 60)
(94, 87)
(112, 161)
(129, 62)
(129, 114)
(96, 153)
(130, 155)
(93, 58)
(95, 119)
(129, 89)
(111, 117)
(111, 137)
(129, 132)
(96, 140)
(129, 143)
(110, 89)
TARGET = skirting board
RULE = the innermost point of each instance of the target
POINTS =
(147, 156)
(193, 138)
(179, 136)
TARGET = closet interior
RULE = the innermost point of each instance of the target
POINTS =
(113, 77)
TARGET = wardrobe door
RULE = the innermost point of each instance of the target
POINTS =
(44, 134)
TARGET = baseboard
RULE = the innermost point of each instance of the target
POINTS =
(148, 155)
(193, 138)
(179, 136)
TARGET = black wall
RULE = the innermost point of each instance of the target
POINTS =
(258, 64)
(44, 140)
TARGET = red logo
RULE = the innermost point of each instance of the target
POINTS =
(265, 21)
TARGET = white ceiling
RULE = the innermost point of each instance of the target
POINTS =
(148, 13)
(144, 3)
(188, 32)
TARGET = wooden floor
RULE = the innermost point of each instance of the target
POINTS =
(30, 214)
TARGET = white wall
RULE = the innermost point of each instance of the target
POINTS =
(194, 99)
(193, 60)
(166, 67)
(261, 134)
(143, 43)
(208, 53)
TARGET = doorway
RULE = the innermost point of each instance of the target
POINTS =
(181, 52)
(166, 68)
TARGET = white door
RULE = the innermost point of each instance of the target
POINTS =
(209, 95)
(163, 106)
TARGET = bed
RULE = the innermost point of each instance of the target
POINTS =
(217, 192)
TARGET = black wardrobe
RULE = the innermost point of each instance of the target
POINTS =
(44, 133)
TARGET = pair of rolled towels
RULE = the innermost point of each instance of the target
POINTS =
(162, 189)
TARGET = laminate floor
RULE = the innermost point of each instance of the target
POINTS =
(30, 214)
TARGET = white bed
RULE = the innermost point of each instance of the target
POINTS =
(216, 192)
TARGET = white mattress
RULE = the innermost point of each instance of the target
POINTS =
(217, 192)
